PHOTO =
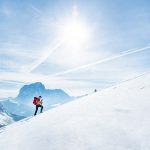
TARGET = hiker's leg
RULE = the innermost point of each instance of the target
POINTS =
(41, 108)
(36, 110)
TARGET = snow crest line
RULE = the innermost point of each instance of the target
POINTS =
(100, 61)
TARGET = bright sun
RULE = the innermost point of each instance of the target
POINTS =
(74, 32)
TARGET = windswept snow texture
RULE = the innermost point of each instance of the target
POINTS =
(117, 118)
(5, 119)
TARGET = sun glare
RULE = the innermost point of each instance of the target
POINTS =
(74, 31)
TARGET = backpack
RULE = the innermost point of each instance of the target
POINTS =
(35, 100)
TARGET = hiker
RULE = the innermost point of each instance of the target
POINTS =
(38, 102)
(95, 90)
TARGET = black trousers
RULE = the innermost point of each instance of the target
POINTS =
(37, 106)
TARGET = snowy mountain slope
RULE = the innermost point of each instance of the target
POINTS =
(117, 118)
(14, 107)
(5, 117)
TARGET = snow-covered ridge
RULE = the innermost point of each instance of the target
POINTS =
(117, 118)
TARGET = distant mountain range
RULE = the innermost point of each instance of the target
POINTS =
(50, 97)
(22, 106)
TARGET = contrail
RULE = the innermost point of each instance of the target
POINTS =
(36, 11)
(100, 61)
(44, 57)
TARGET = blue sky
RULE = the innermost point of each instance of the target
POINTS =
(58, 42)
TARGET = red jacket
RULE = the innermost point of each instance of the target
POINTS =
(37, 101)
